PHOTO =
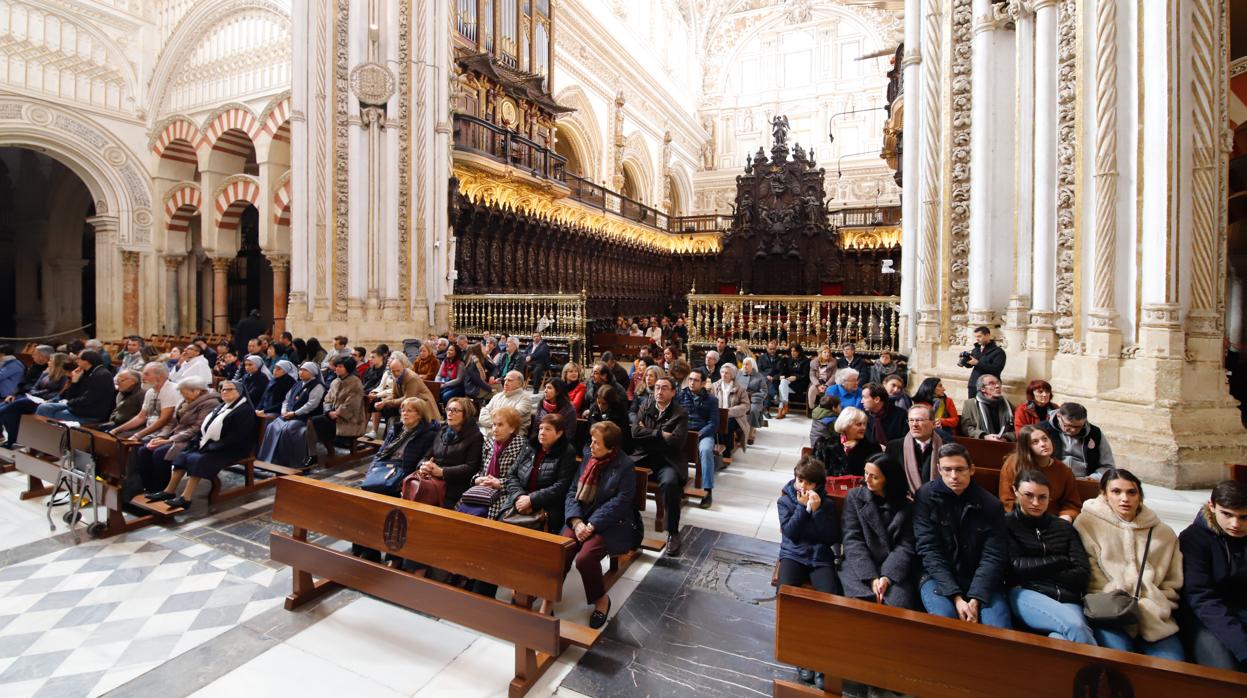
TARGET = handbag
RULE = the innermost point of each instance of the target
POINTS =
(535, 520)
(424, 489)
(477, 500)
(1119, 608)
(383, 478)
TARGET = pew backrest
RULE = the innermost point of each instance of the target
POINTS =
(987, 454)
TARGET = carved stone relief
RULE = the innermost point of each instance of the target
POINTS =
(1067, 145)
(959, 193)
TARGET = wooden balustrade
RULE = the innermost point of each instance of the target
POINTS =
(871, 322)
(562, 317)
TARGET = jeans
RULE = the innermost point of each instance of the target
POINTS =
(11, 417)
(56, 410)
(1063, 621)
(705, 451)
(453, 391)
(1164, 648)
(1206, 649)
(784, 390)
(994, 613)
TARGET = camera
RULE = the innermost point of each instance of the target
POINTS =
(963, 360)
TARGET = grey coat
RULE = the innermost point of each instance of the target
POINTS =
(878, 546)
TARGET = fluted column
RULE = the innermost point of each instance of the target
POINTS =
(281, 290)
(130, 291)
(1103, 335)
(1017, 316)
(220, 294)
(911, 64)
(1041, 336)
(173, 304)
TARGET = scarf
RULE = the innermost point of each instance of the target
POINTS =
(848, 448)
(396, 445)
(215, 421)
(549, 407)
(450, 371)
(941, 408)
(532, 477)
(587, 487)
(879, 436)
(910, 459)
(499, 447)
(989, 411)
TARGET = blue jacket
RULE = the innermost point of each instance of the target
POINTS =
(847, 399)
(612, 511)
(808, 537)
(11, 373)
(1214, 581)
(961, 540)
(703, 411)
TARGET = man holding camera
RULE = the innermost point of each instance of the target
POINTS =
(985, 358)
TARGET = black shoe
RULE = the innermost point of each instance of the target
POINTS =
(310, 462)
(819, 681)
(707, 500)
(598, 618)
(161, 496)
(178, 503)
(674, 545)
(805, 675)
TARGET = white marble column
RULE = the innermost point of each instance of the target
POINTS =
(928, 258)
(1018, 313)
(302, 235)
(986, 168)
(1103, 335)
(108, 302)
(910, 203)
(360, 186)
(1042, 334)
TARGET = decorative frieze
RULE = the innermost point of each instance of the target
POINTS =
(404, 154)
(961, 28)
(1067, 144)
(341, 165)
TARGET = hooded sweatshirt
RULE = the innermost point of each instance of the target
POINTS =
(1214, 571)
(1115, 547)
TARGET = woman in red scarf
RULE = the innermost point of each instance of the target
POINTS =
(554, 401)
(600, 513)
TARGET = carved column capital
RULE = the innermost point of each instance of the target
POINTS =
(173, 262)
(279, 262)
(221, 265)
(130, 259)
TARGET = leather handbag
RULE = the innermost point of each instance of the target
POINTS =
(535, 520)
(383, 478)
(424, 489)
(1118, 608)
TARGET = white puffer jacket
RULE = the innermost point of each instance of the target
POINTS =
(1115, 547)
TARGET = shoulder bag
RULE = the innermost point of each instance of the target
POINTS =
(1117, 609)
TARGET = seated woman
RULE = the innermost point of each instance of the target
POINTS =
(381, 391)
(1214, 575)
(450, 375)
(1048, 567)
(895, 385)
(409, 442)
(426, 365)
(846, 451)
(609, 406)
(600, 513)
(554, 402)
(1034, 452)
(173, 359)
(285, 438)
(885, 366)
(756, 386)
(846, 388)
(226, 436)
(456, 454)
(503, 449)
(476, 370)
(540, 484)
(46, 387)
(1114, 527)
(644, 390)
(880, 562)
(277, 389)
(343, 410)
(254, 380)
(822, 376)
(154, 459)
(572, 374)
(931, 392)
(794, 376)
(1038, 407)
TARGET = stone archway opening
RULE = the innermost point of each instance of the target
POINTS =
(565, 145)
(47, 276)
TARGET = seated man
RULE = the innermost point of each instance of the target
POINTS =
(619, 374)
(884, 421)
(658, 438)
(987, 415)
(155, 417)
(11, 372)
(90, 397)
(916, 450)
(730, 391)
(132, 357)
(710, 370)
(600, 376)
(960, 535)
(1214, 579)
(510, 360)
(340, 350)
(850, 359)
(703, 417)
(512, 395)
(130, 395)
(1078, 443)
(725, 355)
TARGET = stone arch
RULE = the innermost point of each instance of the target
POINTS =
(233, 196)
(182, 204)
(229, 136)
(273, 135)
(681, 189)
(281, 201)
(637, 156)
(176, 146)
(199, 21)
(584, 128)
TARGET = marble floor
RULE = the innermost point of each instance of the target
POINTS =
(194, 608)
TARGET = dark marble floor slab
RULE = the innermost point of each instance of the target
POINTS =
(699, 625)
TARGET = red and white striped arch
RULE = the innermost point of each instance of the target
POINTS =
(181, 205)
(276, 116)
(235, 195)
(233, 131)
(281, 203)
(179, 141)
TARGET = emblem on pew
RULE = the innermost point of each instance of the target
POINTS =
(395, 531)
(1101, 681)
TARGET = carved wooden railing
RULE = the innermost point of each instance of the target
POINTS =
(870, 322)
(863, 217)
(561, 317)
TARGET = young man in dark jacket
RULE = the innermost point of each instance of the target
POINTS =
(90, 398)
(884, 421)
(960, 536)
(1214, 580)
(658, 437)
(703, 417)
(986, 358)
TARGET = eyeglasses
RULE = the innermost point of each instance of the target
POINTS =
(453, 409)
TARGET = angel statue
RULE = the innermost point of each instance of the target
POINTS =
(779, 130)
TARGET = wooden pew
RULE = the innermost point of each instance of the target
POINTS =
(923, 655)
(692, 488)
(249, 466)
(619, 345)
(988, 454)
(531, 563)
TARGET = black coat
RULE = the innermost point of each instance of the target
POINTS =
(554, 476)
(831, 452)
(1214, 582)
(506, 363)
(539, 357)
(93, 397)
(800, 368)
(238, 435)
(991, 361)
(857, 364)
(895, 424)
(651, 448)
(878, 542)
(962, 540)
(1046, 555)
(612, 511)
(254, 385)
(275, 395)
(459, 458)
(416, 450)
